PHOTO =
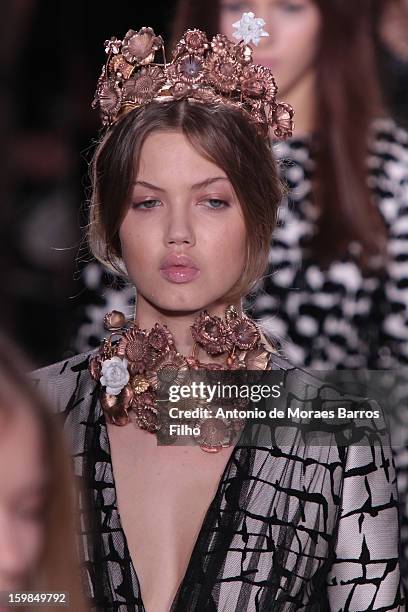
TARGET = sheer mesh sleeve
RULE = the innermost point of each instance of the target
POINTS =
(365, 574)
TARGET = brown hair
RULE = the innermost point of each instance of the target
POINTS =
(222, 135)
(58, 567)
(348, 99)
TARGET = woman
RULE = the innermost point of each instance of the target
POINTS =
(37, 550)
(185, 191)
(393, 57)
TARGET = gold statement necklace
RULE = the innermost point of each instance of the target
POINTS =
(135, 366)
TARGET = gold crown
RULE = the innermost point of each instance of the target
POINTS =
(219, 71)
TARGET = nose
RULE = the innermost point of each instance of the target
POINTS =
(179, 228)
(264, 9)
(271, 27)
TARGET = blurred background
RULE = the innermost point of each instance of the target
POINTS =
(51, 55)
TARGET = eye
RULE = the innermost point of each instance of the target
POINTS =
(146, 204)
(29, 515)
(31, 512)
(215, 203)
(292, 7)
(234, 7)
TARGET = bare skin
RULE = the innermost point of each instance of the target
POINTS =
(290, 49)
(22, 495)
(393, 28)
(163, 492)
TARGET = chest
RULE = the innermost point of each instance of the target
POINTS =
(163, 494)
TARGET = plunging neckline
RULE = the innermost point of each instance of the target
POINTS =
(208, 512)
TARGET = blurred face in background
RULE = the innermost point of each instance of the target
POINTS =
(291, 47)
(22, 494)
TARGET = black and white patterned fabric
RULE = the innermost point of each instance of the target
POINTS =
(339, 318)
(292, 526)
(103, 292)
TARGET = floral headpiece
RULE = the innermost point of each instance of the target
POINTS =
(216, 71)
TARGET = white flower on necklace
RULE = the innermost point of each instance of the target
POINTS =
(115, 375)
(249, 28)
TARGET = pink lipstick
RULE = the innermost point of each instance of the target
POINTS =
(179, 269)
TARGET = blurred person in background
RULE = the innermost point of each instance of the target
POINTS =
(393, 56)
(37, 534)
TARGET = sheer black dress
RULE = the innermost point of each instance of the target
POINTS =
(292, 526)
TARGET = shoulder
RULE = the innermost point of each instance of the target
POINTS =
(295, 162)
(65, 382)
(336, 417)
(296, 148)
(337, 407)
(388, 156)
(386, 131)
(388, 172)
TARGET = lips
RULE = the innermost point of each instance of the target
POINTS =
(179, 269)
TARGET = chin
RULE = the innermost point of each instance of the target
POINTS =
(175, 300)
(187, 306)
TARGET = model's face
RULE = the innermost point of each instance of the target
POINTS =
(183, 237)
(22, 497)
(291, 47)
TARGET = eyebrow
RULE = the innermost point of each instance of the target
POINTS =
(200, 185)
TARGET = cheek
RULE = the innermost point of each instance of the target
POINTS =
(228, 248)
(304, 46)
(22, 543)
(292, 47)
(300, 42)
(137, 246)
(32, 541)
(227, 18)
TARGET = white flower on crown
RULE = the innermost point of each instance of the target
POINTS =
(115, 375)
(249, 28)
